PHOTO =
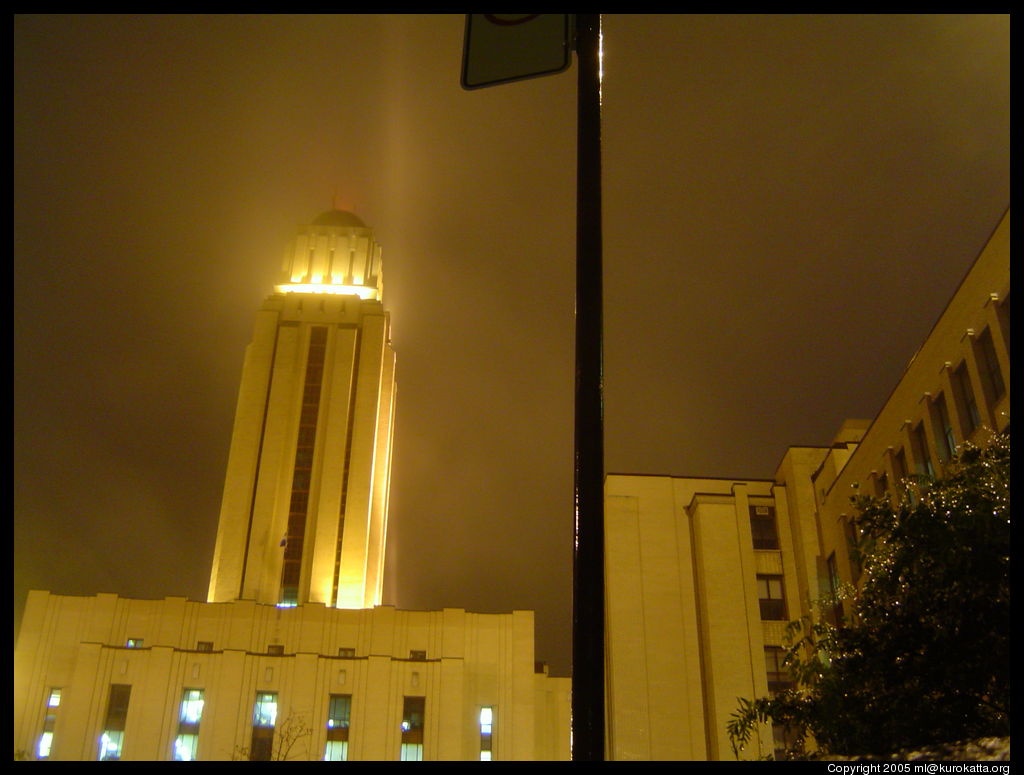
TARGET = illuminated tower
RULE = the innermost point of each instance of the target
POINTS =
(304, 512)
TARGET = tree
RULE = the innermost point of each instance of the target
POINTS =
(292, 731)
(925, 656)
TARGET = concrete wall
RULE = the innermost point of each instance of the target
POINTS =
(79, 644)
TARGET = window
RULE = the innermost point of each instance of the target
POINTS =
(339, 712)
(836, 610)
(899, 466)
(779, 679)
(46, 738)
(419, 656)
(853, 547)
(112, 739)
(762, 527)
(264, 718)
(275, 649)
(988, 363)
(303, 468)
(922, 459)
(204, 645)
(966, 406)
(881, 485)
(189, 716)
(135, 643)
(945, 440)
(486, 733)
(412, 729)
(347, 652)
(769, 593)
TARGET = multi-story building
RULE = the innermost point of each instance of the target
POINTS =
(292, 656)
(702, 575)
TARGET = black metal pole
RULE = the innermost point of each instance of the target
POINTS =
(588, 562)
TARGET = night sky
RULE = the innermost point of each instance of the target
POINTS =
(789, 203)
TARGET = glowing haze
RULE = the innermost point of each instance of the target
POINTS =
(789, 202)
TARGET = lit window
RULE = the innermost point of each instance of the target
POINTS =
(45, 743)
(339, 712)
(135, 643)
(486, 736)
(769, 593)
(112, 739)
(189, 716)
(762, 527)
(46, 738)
(412, 729)
(264, 718)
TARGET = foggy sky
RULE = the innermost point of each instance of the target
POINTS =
(789, 203)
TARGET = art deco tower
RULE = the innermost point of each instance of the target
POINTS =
(304, 512)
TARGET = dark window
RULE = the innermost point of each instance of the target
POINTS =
(779, 679)
(945, 439)
(418, 655)
(275, 649)
(899, 466)
(836, 610)
(966, 406)
(301, 470)
(763, 528)
(770, 597)
(345, 651)
(853, 547)
(988, 363)
(922, 459)
(881, 485)
(204, 645)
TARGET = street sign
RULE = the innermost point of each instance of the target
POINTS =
(504, 47)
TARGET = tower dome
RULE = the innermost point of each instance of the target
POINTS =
(339, 218)
(335, 254)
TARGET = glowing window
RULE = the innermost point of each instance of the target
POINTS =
(112, 739)
(135, 643)
(412, 729)
(339, 711)
(46, 738)
(264, 712)
(486, 736)
(264, 717)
